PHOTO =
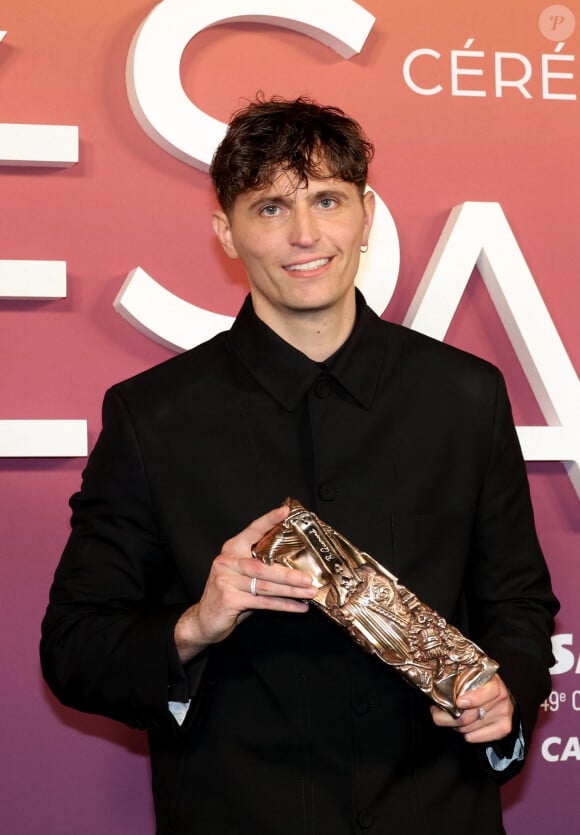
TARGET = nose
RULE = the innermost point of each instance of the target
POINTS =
(304, 230)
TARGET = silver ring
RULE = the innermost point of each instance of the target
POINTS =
(253, 583)
(481, 713)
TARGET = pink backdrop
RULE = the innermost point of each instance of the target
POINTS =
(129, 203)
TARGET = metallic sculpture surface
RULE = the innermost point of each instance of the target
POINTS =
(380, 614)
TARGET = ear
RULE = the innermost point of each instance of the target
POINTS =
(223, 231)
(368, 201)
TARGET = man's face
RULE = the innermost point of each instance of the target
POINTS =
(300, 244)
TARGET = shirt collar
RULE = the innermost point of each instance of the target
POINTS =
(287, 373)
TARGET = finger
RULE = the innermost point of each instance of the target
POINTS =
(277, 604)
(267, 588)
(495, 724)
(275, 573)
(243, 541)
(260, 526)
(478, 697)
(443, 719)
(488, 730)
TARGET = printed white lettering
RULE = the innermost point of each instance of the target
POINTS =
(510, 70)
(456, 70)
(501, 81)
(478, 234)
(547, 75)
(46, 146)
(565, 657)
(154, 86)
(43, 438)
(409, 61)
(570, 751)
(555, 749)
(547, 745)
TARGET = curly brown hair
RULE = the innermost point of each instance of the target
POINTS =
(300, 136)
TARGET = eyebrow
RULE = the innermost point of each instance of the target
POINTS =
(266, 200)
(285, 200)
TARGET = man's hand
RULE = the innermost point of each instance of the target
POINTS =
(487, 713)
(227, 599)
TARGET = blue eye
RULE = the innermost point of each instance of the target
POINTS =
(327, 202)
(270, 210)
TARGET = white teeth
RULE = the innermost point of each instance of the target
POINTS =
(311, 265)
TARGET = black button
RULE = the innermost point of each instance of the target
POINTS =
(360, 707)
(322, 388)
(366, 820)
(326, 492)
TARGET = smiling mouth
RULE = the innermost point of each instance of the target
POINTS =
(309, 265)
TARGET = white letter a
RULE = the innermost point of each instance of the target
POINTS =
(478, 234)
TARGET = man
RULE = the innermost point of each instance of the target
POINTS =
(263, 716)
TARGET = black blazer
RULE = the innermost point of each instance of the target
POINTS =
(405, 445)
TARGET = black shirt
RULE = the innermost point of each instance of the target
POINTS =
(404, 445)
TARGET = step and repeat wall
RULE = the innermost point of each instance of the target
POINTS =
(110, 113)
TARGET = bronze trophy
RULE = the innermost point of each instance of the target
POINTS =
(380, 614)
